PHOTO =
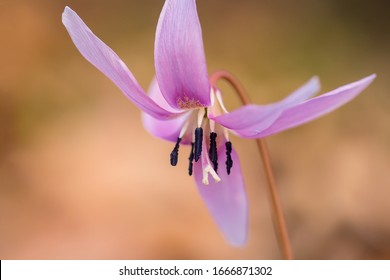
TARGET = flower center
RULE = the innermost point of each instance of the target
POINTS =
(202, 133)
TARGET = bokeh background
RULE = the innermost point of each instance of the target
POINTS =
(81, 179)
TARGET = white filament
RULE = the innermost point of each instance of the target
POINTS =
(220, 101)
(201, 113)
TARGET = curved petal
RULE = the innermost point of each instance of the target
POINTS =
(311, 88)
(108, 62)
(265, 123)
(180, 61)
(226, 200)
(313, 108)
(155, 94)
(165, 129)
(265, 115)
(249, 115)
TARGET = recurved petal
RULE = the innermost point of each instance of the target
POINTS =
(263, 121)
(311, 88)
(108, 62)
(166, 129)
(226, 200)
(248, 116)
(311, 109)
(180, 61)
(265, 115)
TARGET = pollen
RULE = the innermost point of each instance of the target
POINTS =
(186, 103)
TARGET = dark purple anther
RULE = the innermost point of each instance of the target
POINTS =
(198, 143)
(229, 161)
(191, 160)
(175, 153)
(213, 150)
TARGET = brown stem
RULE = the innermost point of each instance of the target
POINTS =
(278, 218)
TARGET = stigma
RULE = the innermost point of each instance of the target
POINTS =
(209, 170)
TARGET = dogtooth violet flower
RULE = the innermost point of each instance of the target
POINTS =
(183, 107)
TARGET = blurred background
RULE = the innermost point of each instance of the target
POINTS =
(81, 179)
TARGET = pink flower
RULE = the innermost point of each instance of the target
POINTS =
(184, 108)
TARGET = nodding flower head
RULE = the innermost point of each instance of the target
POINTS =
(181, 106)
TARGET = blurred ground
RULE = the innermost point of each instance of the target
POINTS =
(80, 178)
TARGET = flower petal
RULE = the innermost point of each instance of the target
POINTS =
(107, 61)
(273, 121)
(264, 115)
(180, 61)
(166, 129)
(315, 107)
(227, 199)
(311, 88)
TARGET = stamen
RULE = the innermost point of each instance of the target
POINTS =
(226, 134)
(229, 161)
(198, 142)
(212, 125)
(191, 159)
(213, 150)
(220, 101)
(212, 96)
(184, 129)
(175, 152)
(201, 115)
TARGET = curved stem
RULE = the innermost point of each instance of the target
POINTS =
(278, 218)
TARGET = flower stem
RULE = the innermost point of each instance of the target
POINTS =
(278, 218)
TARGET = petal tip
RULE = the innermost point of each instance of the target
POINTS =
(316, 79)
(367, 80)
(364, 82)
(237, 241)
(315, 83)
(66, 14)
(66, 11)
(371, 77)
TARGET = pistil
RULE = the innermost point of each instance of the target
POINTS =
(208, 170)
(220, 101)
